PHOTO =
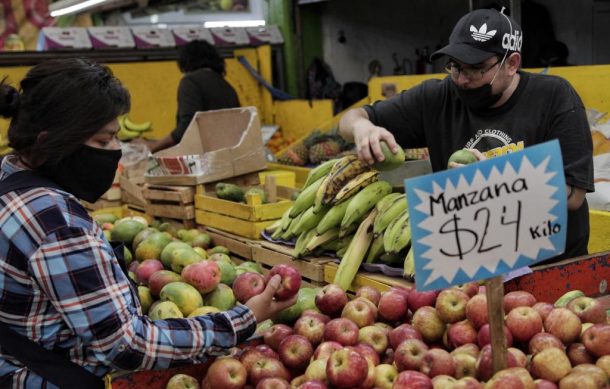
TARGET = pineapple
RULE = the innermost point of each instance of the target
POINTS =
(324, 150)
(297, 156)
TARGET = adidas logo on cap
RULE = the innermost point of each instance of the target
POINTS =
(481, 34)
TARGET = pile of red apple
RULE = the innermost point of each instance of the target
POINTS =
(408, 339)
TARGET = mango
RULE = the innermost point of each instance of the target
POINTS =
(186, 297)
(169, 228)
(188, 235)
(102, 218)
(127, 257)
(229, 192)
(203, 311)
(257, 191)
(222, 298)
(201, 240)
(463, 157)
(126, 231)
(140, 236)
(168, 252)
(146, 298)
(165, 310)
(305, 300)
(227, 272)
(249, 267)
(219, 249)
(219, 257)
(391, 161)
(202, 253)
(152, 246)
(181, 258)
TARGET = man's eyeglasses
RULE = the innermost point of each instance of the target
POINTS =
(471, 73)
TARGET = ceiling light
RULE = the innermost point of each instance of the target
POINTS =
(66, 7)
(234, 23)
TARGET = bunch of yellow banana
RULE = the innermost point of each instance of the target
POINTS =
(398, 234)
(364, 201)
(343, 171)
(130, 130)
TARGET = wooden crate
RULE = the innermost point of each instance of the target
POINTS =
(378, 281)
(270, 254)
(236, 244)
(243, 228)
(250, 179)
(101, 204)
(173, 202)
(131, 192)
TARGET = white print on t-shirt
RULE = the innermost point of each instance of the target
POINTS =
(493, 143)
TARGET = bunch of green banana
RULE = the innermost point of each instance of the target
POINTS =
(301, 243)
(364, 201)
(388, 212)
(270, 229)
(563, 301)
(306, 198)
(284, 224)
(130, 130)
(354, 185)
(354, 255)
(376, 249)
(289, 233)
(319, 171)
(319, 240)
(409, 265)
(398, 234)
(341, 173)
(309, 220)
(332, 218)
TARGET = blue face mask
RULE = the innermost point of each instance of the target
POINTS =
(87, 173)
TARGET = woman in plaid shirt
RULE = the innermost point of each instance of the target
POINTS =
(61, 285)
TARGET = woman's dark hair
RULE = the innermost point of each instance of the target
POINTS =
(68, 99)
(199, 54)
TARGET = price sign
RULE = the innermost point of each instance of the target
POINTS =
(488, 218)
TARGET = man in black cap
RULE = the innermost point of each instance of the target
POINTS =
(489, 105)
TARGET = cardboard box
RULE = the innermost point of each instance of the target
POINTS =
(146, 37)
(56, 38)
(186, 34)
(111, 37)
(216, 145)
(230, 36)
(263, 35)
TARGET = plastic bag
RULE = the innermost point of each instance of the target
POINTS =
(133, 153)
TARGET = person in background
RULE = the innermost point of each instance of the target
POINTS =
(487, 104)
(202, 88)
(64, 291)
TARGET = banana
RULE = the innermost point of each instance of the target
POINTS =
(320, 239)
(308, 221)
(375, 250)
(391, 259)
(306, 198)
(318, 172)
(392, 232)
(299, 247)
(354, 185)
(333, 217)
(344, 170)
(385, 202)
(270, 229)
(390, 213)
(409, 265)
(284, 224)
(289, 233)
(138, 127)
(567, 297)
(364, 201)
(349, 230)
(401, 234)
(352, 259)
(318, 200)
(341, 252)
(124, 134)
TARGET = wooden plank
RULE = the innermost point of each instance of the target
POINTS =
(250, 179)
(494, 289)
(171, 211)
(313, 270)
(230, 224)
(179, 194)
(237, 245)
(209, 202)
(590, 273)
(376, 280)
(99, 204)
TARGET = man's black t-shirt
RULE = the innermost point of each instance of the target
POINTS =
(542, 108)
(201, 90)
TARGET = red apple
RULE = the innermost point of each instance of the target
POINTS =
(298, 381)
(550, 364)
(324, 350)
(248, 285)
(387, 357)
(564, 324)
(316, 371)
(427, 322)
(409, 355)
(360, 311)
(519, 355)
(469, 348)
(417, 299)
(273, 383)
(578, 381)
(249, 356)
(291, 281)
(275, 334)
(597, 340)
(461, 333)
(589, 369)
(331, 299)
(410, 379)
(544, 384)
(147, 268)
(295, 351)
(182, 381)
(312, 385)
(484, 336)
(267, 351)
(392, 306)
(543, 340)
(369, 381)
(341, 330)
(226, 373)
(203, 275)
(518, 298)
(467, 383)
(311, 327)
(436, 362)
(543, 309)
(160, 278)
(523, 323)
(346, 369)
(588, 310)
(476, 311)
(369, 293)
(312, 312)
(485, 363)
(465, 365)
(367, 352)
(403, 332)
(266, 368)
(577, 353)
(451, 305)
(384, 326)
(604, 364)
(385, 375)
(374, 337)
(443, 382)
(514, 377)
(470, 288)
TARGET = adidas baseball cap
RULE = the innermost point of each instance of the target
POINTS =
(481, 34)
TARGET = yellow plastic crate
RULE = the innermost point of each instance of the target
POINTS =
(599, 240)
(245, 228)
(283, 177)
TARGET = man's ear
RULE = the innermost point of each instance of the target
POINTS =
(42, 137)
(513, 63)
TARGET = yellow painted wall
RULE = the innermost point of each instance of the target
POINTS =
(591, 82)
